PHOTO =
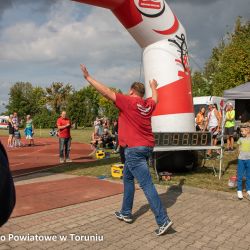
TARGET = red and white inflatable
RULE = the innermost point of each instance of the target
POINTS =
(165, 57)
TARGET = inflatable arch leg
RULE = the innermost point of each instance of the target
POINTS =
(165, 57)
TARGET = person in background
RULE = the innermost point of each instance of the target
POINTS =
(29, 131)
(136, 136)
(200, 119)
(106, 124)
(53, 132)
(115, 135)
(11, 131)
(100, 128)
(96, 124)
(64, 126)
(15, 119)
(219, 112)
(213, 124)
(107, 140)
(229, 126)
(244, 162)
(96, 140)
(17, 137)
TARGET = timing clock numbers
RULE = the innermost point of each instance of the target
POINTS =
(183, 139)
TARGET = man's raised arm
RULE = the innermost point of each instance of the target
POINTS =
(101, 88)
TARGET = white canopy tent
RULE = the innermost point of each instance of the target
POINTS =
(241, 96)
(239, 92)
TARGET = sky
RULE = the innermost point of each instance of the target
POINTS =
(45, 41)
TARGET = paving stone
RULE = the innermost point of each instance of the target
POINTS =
(202, 220)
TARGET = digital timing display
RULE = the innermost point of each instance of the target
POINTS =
(183, 139)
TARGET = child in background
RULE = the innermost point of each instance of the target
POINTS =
(244, 162)
(17, 137)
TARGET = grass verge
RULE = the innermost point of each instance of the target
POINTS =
(78, 135)
(202, 177)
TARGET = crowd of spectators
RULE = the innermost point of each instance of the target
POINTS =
(105, 134)
(211, 119)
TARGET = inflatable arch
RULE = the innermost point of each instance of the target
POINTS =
(165, 57)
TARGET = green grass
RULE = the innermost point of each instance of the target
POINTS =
(202, 177)
(101, 167)
(78, 135)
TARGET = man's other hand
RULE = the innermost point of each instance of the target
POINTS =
(153, 84)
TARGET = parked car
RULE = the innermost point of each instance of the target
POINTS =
(4, 122)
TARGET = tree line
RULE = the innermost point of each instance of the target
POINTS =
(229, 63)
(46, 104)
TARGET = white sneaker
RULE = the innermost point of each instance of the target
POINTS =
(61, 160)
(68, 160)
(240, 195)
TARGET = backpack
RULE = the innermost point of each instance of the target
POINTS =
(7, 188)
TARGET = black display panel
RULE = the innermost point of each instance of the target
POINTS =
(183, 139)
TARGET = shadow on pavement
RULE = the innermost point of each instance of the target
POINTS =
(168, 200)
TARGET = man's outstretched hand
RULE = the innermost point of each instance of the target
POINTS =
(153, 84)
(100, 87)
(84, 71)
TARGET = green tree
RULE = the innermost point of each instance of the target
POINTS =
(213, 62)
(37, 100)
(57, 95)
(234, 66)
(107, 107)
(229, 63)
(19, 98)
(26, 99)
(76, 108)
(83, 106)
(201, 86)
(45, 119)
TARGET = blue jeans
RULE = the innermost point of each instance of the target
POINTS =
(243, 169)
(64, 147)
(136, 167)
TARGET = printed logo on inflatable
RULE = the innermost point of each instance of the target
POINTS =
(150, 8)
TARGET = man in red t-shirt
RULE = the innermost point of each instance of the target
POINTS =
(135, 134)
(64, 125)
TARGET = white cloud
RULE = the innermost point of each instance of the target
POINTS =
(50, 48)
(64, 41)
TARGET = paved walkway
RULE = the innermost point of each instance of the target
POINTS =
(202, 220)
(52, 192)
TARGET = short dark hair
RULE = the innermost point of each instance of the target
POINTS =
(245, 125)
(139, 88)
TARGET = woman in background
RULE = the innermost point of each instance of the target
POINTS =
(29, 130)
(200, 119)
(11, 131)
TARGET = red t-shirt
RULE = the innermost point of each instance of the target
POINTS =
(134, 128)
(65, 132)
